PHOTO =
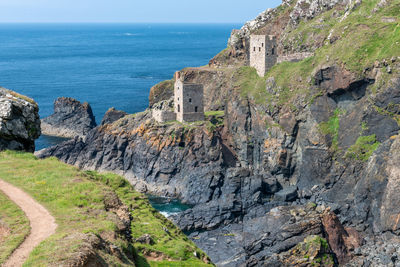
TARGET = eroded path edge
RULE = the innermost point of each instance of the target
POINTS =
(41, 221)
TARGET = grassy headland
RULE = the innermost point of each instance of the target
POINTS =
(87, 207)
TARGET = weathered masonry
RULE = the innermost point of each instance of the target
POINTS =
(188, 100)
(263, 54)
(188, 103)
(163, 115)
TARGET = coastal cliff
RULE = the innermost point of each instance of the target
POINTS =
(311, 149)
(70, 118)
(19, 121)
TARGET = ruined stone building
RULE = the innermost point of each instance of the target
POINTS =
(188, 103)
(188, 99)
(263, 54)
(162, 112)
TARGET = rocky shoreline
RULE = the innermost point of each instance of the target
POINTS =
(313, 160)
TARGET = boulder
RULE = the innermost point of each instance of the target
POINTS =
(19, 121)
(287, 194)
(145, 239)
(112, 115)
(71, 118)
(341, 240)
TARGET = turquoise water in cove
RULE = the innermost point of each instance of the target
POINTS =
(167, 206)
(107, 65)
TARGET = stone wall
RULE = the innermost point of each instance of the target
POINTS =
(294, 57)
(163, 115)
(193, 116)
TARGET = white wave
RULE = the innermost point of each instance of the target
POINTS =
(168, 214)
(131, 34)
(180, 33)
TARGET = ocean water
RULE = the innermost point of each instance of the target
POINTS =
(107, 65)
(167, 206)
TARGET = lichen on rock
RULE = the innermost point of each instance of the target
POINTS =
(19, 121)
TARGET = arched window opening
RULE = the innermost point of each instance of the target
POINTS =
(179, 108)
(195, 109)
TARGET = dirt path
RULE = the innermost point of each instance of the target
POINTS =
(42, 223)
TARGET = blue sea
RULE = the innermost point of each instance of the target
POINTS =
(107, 65)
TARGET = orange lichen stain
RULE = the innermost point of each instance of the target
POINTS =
(141, 130)
(271, 144)
(314, 142)
(395, 226)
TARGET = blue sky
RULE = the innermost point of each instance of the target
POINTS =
(132, 10)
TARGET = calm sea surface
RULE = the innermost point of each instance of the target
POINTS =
(107, 65)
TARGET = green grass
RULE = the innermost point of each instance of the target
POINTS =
(363, 149)
(315, 250)
(214, 119)
(76, 200)
(362, 39)
(251, 85)
(15, 223)
(216, 113)
(146, 219)
(331, 127)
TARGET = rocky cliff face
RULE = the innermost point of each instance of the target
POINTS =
(19, 121)
(310, 149)
(71, 118)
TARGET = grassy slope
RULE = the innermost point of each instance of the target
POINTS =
(75, 199)
(14, 221)
(362, 38)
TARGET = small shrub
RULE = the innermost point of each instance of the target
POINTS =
(363, 148)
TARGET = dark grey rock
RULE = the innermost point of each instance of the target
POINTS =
(112, 115)
(71, 118)
(287, 194)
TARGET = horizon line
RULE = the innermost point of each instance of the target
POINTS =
(99, 22)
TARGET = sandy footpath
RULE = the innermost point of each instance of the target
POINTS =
(42, 223)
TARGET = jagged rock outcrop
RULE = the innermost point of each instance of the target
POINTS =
(341, 240)
(70, 118)
(112, 115)
(19, 121)
(308, 9)
(155, 158)
(161, 91)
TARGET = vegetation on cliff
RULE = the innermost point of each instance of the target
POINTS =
(100, 218)
(331, 35)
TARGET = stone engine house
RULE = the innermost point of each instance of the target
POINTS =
(263, 54)
(188, 100)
